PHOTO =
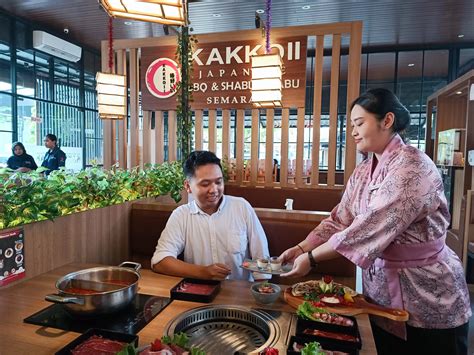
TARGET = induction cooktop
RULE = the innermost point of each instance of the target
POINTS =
(130, 320)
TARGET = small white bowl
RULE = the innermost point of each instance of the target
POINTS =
(275, 263)
(262, 263)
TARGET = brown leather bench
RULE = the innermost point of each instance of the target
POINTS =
(303, 199)
(283, 229)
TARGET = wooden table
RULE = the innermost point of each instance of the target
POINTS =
(23, 299)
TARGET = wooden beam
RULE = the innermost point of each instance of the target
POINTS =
(317, 104)
(239, 142)
(254, 147)
(134, 91)
(122, 125)
(212, 130)
(285, 124)
(299, 147)
(333, 101)
(226, 134)
(269, 148)
(198, 129)
(172, 141)
(159, 137)
(107, 124)
(353, 88)
(146, 139)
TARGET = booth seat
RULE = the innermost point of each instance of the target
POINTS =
(274, 197)
(283, 229)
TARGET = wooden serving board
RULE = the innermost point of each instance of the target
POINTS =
(360, 306)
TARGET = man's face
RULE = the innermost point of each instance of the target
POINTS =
(207, 187)
(48, 143)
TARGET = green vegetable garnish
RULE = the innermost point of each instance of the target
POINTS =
(313, 348)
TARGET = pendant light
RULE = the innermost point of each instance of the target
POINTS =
(267, 72)
(168, 12)
(111, 89)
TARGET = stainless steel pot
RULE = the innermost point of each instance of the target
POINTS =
(114, 288)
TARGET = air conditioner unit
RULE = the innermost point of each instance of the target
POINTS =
(56, 46)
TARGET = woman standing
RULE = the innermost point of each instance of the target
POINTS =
(54, 158)
(392, 222)
(20, 161)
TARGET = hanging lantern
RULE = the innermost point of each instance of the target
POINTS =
(267, 71)
(111, 89)
(266, 80)
(111, 96)
(169, 12)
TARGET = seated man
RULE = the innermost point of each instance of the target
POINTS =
(216, 232)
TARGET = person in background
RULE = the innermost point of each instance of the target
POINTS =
(20, 161)
(392, 222)
(54, 157)
(215, 232)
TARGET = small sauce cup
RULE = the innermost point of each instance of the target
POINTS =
(275, 263)
(262, 263)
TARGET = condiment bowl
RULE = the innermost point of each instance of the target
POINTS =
(265, 298)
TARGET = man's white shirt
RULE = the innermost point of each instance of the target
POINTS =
(230, 235)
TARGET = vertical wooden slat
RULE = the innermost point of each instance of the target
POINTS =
(107, 124)
(159, 137)
(172, 136)
(269, 148)
(146, 149)
(317, 104)
(198, 129)
(335, 61)
(428, 141)
(353, 87)
(122, 125)
(239, 141)
(212, 130)
(226, 134)
(299, 147)
(134, 80)
(284, 147)
(254, 148)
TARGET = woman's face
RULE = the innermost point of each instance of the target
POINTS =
(48, 143)
(370, 134)
(17, 150)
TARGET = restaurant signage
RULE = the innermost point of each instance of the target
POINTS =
(12, 264)
(221, 74)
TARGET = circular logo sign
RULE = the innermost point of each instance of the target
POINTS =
(162, 78)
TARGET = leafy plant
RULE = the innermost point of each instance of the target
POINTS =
(30, 197)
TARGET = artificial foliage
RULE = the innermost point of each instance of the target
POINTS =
(184, 52)
(31, 197)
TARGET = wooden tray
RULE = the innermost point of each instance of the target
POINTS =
(360, 306)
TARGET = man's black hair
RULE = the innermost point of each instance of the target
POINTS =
(199, 158)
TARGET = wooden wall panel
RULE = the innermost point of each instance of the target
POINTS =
(333, 118)
(172, 135)
(212, 131)
(239, 142)
(198, 129)
(269, 148)
(134, 91)
(159, 137)
(285, 114)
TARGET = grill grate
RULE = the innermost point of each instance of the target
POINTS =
(222, 329)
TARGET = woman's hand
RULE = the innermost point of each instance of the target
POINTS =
(301, 266)
(290, 255)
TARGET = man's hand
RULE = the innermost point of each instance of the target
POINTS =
(290, 255)
(217, 271)
(301, 266)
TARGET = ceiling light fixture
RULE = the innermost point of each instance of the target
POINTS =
(411, 65)
(306, 7)
(216, 15)
(170, 12)
(127, 23)
(260, 11)
(459, 92)
(460, 36)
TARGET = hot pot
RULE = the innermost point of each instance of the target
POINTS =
(97, 291)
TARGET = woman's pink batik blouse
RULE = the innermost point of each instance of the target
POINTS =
(399, 200)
